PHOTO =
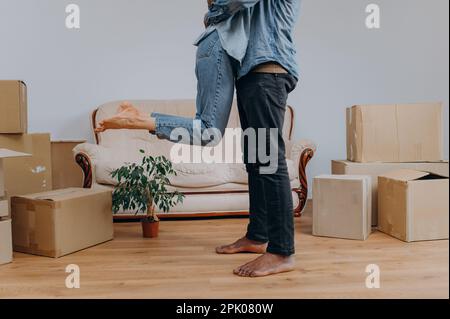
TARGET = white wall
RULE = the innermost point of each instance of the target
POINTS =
(138, 49)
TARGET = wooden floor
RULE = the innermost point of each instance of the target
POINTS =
(182, 264)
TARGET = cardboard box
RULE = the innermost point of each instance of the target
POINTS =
(4, 207)
(65, 171)
(61, 222)
(6, 251)
(30, 174)
(342, 206)
(395, 133)
(5, 154)
(377, 169)
(13, 107)
(413, 205)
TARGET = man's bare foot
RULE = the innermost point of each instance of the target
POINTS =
(243, 245)
(266, 265)
(128, 117)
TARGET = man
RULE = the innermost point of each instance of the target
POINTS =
(258, 34)
(267, 74)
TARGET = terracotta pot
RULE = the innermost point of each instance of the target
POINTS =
(150, 229)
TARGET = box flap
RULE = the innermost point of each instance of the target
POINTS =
(406, 175)
(5, 153)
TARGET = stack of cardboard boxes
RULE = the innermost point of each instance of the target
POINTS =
(400, 148)
(5, 213)
(29, 174)
(25, 164)
(43, 222)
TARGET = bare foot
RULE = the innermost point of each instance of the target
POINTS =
(243, 245)
(128, 117)
(266, 265)
(129, 108)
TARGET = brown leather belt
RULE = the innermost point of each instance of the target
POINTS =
(270, 67)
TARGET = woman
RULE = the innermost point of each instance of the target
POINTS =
(215, 72)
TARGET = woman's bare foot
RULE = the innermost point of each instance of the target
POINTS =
(128, 117)
(266, 265)
(243, 245)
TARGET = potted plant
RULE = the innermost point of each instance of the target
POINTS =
(143, 187)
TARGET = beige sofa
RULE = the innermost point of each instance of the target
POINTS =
(210, 189)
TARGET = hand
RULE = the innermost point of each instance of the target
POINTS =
(205, 20)
(210, 2)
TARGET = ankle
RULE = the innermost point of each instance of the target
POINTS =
(150, 125)
(254, 242)
(282, 257)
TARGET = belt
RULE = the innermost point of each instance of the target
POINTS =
(270, 68)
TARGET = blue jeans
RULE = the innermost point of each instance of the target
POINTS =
(215, 71)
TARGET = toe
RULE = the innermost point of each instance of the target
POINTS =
(249, 272)
(245, 272)
(241, 272)
(125, 105)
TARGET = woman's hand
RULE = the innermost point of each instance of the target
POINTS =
(205, 20)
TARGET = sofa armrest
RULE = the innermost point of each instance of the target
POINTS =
(299, 147)
(87, 155)
(302, 152)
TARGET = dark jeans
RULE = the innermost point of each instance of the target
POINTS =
(262, 100)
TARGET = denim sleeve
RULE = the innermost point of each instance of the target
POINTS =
(221, 10)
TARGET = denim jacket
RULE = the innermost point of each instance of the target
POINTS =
(256, 31)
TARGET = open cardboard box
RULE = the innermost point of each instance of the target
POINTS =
(7, 154)
(28, 175)
(377, 169)
(414, 205)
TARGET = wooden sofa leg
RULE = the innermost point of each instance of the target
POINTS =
(85, 164)
(302, 191)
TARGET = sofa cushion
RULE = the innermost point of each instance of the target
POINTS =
(192, 175)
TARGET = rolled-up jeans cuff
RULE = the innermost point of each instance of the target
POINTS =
(259, 239)
(281, 252)
(160, 130)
